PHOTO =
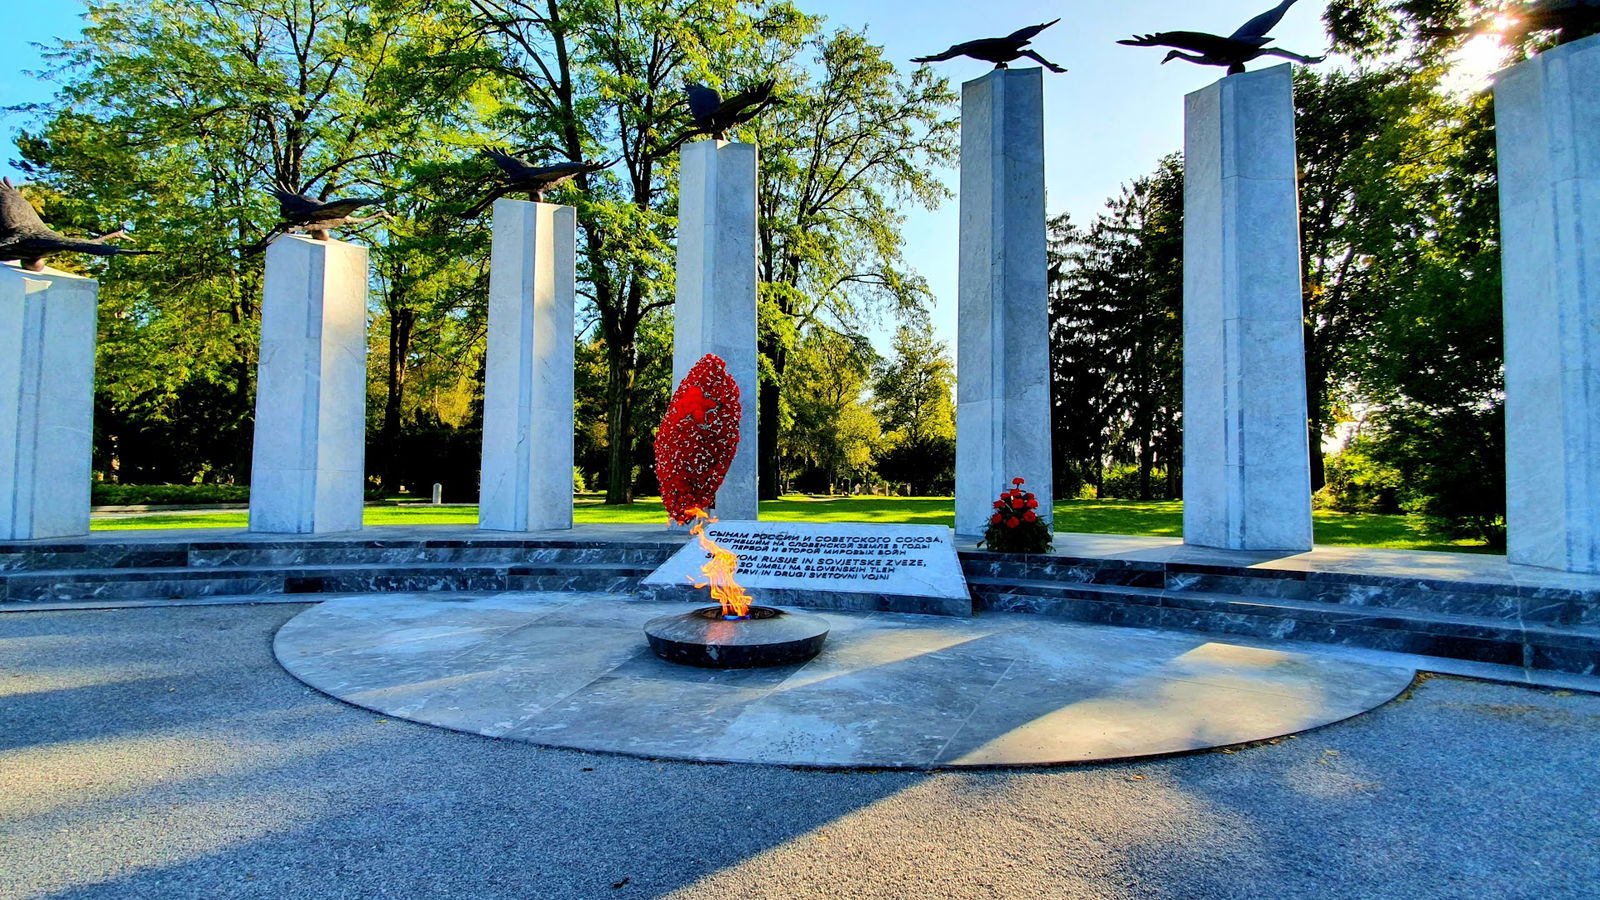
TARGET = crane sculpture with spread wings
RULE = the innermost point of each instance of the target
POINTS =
(307, 214)
(519, 175)
(1001, 51)
(25, 238)
(1248, 43)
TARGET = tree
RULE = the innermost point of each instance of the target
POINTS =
(175, 117)
(1116, 333)
(853, 143)
(912, 395)
(591, 79)
(830, 435)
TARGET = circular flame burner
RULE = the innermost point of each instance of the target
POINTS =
(766, 637)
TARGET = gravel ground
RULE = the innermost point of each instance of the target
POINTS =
(163, 753)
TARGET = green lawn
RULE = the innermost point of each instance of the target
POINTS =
(1091, 516)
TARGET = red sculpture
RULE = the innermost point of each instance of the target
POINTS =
(698, 438)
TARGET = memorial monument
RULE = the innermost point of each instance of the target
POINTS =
(529, 372)
(716, 290)
(1547, 119)
(1246, 450)
(47, 352)
(308, 468)
(1002, 343)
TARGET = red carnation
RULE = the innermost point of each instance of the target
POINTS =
(1016, 503)
(1018, 481)
(995, 519)
(1013, 522)
(1030, 516)
(999, 505)
(1032, 503)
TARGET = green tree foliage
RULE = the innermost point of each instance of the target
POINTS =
(1116, 332)
(830, 436)
(175, 117)
(852, 146)
(913, 396)
(1426, 31)
(587, 79)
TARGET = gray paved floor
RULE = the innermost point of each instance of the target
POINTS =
(162, 753)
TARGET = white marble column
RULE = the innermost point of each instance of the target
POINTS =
(1002, 342)
(308, 471)
(716, 303)
(528, 389)
(1246, 467)
(47, 338)
(1547, 115)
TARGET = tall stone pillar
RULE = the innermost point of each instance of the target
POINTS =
(47, 337)
(528, 390)
(1246, 467)
(1547, 115)
(311, 391)
(716, 303)
(1002, 342)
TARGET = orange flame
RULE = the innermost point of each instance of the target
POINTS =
(719, 571)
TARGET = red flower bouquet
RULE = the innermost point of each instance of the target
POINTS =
(698, 438)
(1015, 526)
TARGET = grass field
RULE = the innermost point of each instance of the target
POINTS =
(1091, 516)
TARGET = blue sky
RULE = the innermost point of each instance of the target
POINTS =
(1107, 120)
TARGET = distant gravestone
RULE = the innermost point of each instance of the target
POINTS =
(895, 568)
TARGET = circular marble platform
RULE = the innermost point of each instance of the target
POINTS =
(888, 691)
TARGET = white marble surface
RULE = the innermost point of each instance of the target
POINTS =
(310, 440)
(47, 340)
(528, 390)
(1002, 344)
(716, 301)
(1547, 113)
(888, 690)
(903, 560)
(1247, 479)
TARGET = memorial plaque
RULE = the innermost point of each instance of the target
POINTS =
(901, 568)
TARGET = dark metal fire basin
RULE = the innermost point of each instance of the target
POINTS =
(768, 637)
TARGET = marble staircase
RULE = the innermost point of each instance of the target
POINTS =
(131, 572)
(1544, 627)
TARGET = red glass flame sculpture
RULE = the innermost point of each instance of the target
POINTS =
(694, 448)
(698, 438)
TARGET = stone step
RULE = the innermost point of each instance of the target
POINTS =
(1546, 605)
(51, 557)
(1426, 632)
(165, 583)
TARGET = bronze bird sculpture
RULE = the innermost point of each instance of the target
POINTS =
(714, 115)
(521, 175)
(25, 238)
(1571, 19)
(315, 217)
(1000, 51)
(1248, 43)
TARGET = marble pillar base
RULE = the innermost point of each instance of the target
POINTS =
(1003, 344)
(308, 470)
(716, 301)
(1246, 465)
(528, 390)
(47, 341)
(1547, 113)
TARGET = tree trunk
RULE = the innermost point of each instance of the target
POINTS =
(402, 323)
(1316, 389)
(768, 420)
(621, 369)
